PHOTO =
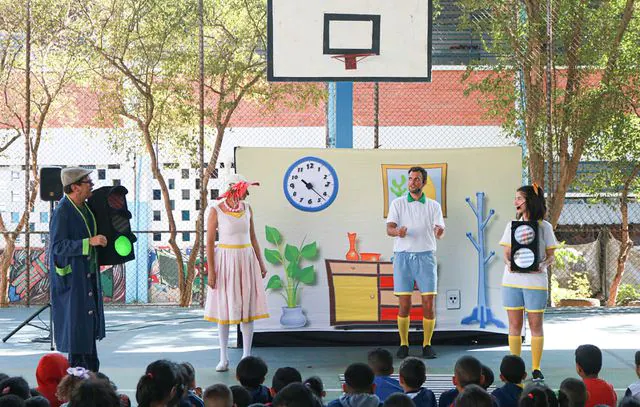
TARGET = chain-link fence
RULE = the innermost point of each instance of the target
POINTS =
(81, 127)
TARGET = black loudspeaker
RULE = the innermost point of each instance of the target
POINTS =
(50, 184)
(524, 246)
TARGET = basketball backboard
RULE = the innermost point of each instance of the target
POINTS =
(354, 40)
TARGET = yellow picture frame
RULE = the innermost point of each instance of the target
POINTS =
(436, 187)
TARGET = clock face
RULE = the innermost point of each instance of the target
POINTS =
(310, 184)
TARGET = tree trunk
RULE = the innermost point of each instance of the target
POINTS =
(5, 266)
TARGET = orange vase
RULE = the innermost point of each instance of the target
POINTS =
(352, 254)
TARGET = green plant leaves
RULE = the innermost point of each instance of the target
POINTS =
(273, 235)
(291, 253)
(274, 283)
(273, 256)
(307, 275)
(310, 251)
(292, 270)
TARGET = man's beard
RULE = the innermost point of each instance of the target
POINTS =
(415, 190)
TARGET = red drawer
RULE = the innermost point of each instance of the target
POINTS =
(391, 314)
(386, 281)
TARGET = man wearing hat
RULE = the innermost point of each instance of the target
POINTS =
(76, 293)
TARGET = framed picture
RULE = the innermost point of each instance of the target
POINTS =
(394, 183)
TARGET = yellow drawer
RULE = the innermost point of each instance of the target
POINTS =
(355, 298)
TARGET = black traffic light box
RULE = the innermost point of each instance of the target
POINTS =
(524, 246)
(109, 205)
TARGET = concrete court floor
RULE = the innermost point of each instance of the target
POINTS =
(137, 336)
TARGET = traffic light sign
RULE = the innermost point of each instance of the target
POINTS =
(109, 205)
(524, 246)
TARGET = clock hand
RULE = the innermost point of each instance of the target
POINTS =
(310, 186)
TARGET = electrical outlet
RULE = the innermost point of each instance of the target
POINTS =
(453, 299)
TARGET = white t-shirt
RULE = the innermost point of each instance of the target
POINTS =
(419, 219)
(538, 281)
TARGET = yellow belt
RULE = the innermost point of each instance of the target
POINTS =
(234, 246)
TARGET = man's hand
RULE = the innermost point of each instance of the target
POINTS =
(98, 240)
(438, 230)
(402, 231)
(211, 280)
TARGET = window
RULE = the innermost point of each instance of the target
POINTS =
(102, 174)
(172, 204)
(32, 227)
(172, 183)
(214, 173)
(157, 237)
(15, 175)
(116, 182)
(113, 166)
(15, 217)
(185, 215)
(214, 194)
(185, 173)
(185, 194)
(186, 236)
(197, 183)
(14, 196)
(44, 217)
(197, 204)
(43, 238)
(156, 215)
(156, 195)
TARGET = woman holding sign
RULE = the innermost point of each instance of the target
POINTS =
(528, 291)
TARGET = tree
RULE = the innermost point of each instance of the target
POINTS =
(588, 39)
(55, 66)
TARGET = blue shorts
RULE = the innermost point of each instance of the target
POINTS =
(418, 267)
(530, 300)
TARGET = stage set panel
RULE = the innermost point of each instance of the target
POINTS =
(320, 218)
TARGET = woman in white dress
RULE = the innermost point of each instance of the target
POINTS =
(235, 292)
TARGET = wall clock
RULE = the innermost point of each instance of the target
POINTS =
(310, 184)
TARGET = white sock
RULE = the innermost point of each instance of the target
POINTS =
(223, 333)
(247, 338)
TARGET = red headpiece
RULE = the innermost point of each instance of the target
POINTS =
(238, 190)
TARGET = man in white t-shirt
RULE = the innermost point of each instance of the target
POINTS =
(416, 222)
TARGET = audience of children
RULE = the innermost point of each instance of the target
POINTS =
(167, 384)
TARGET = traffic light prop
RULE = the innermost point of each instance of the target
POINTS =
(109, 205)
(524, 246)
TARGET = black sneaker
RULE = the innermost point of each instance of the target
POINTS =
(537, 375)
(403, 352)
(428, 353)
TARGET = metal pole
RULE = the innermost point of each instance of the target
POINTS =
(27, 151)
(203, 192)
(376, 115)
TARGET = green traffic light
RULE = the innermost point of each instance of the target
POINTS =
(123, 246)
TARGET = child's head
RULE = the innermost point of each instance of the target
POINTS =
(588, 360)
(413, 373)
(251, 372)
(381, 362)
(468, 370)
(37, 401)
(629, 401)
(573, 393)
(17, 386)
(534, 395)
(530, 200)
(218, 395)
(241, 396)
(358, 378)
(75, 376)
(95, 392)
(52, 367)
(638, 363)
(398, 400)
(190, 375)
(158, 384)
(11, 400)
(512, 369)
(294, 395)
(487, 377)
(314, 383)
(473, 396)
(284, 376)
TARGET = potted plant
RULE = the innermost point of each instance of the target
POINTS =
(290, 257)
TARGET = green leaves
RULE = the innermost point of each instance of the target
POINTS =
(274, 283)
(307, 275)
(273, 256)
(310, 251)
(291, 253)
(273, 235)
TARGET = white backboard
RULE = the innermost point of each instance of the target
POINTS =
(349, 40)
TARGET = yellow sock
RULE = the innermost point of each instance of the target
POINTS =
(428, 325)
(537, 343)
(515, 344)
(403, 330)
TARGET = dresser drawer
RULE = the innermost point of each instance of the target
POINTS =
(353, 268)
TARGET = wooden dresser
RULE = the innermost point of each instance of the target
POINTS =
(361, 293)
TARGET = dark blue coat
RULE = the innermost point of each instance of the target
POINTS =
(78, 321)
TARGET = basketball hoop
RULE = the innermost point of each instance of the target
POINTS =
(351, 60)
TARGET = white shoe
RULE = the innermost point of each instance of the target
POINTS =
(223, 366)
